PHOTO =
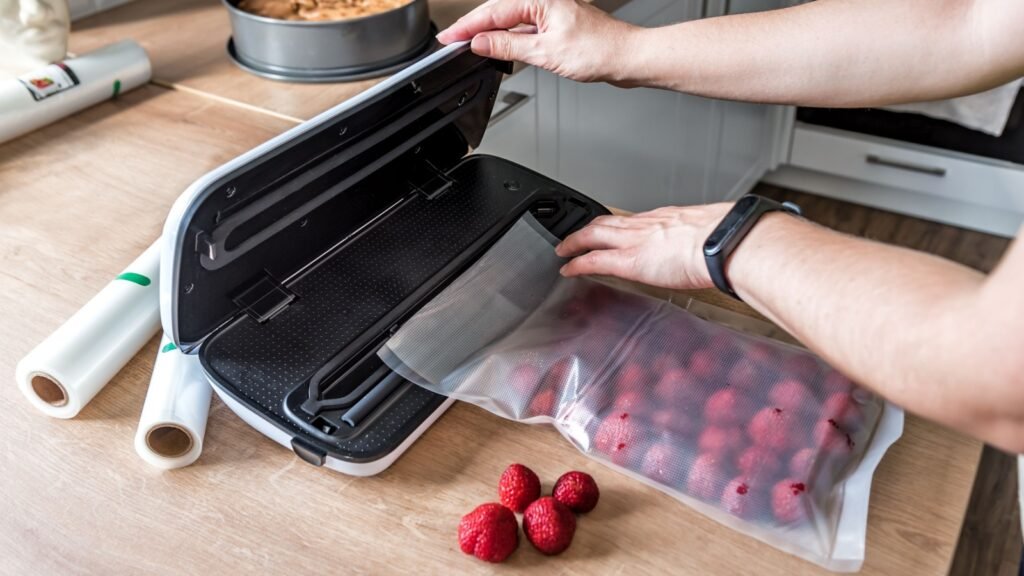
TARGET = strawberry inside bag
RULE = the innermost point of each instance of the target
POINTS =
(761, 436)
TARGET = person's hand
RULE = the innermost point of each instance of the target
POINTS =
(663, 247)
(567, 37)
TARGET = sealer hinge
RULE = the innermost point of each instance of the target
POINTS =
(264, 299)
(428, 180)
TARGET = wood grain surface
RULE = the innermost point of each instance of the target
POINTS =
(187, 39)
(80, 199)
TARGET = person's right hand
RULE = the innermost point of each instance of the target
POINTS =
(567, 37)
(663, 247)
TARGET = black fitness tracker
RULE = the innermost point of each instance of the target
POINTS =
(731, 231)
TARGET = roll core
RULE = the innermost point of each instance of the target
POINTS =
(169, 440)
(49, 390)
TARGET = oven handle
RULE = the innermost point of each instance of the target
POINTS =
(936, 171)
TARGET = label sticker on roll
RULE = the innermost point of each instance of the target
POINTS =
(50, 80)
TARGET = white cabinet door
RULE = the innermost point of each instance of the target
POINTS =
(743, 131)
(635, 149)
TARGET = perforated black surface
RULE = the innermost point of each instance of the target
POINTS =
(345, 295)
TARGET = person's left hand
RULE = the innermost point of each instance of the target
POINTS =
(568, 37)
(663, 247)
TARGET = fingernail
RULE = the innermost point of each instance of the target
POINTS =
(562, 270)
(481, 45)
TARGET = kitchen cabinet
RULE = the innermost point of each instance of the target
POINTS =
(742, 135)
(639, 148)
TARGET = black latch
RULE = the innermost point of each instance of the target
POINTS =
(264, 299)
(308, 452)
(428, 180)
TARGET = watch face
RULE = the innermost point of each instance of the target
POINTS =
(743, 207)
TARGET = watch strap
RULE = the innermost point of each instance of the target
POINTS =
(731, 231)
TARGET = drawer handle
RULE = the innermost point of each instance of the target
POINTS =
(512, 101)
(909, 166)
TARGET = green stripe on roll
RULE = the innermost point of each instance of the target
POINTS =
(136, 278)
(168, 347)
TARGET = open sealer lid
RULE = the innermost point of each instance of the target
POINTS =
(239, 234)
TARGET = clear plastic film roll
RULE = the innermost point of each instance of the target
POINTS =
(759, 435)
(63, 88)
(67, 369)
(173, 422)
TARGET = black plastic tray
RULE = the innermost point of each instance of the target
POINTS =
(303, 368)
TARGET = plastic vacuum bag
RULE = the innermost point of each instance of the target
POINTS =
(759, 435)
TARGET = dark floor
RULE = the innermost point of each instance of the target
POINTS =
(990, 541)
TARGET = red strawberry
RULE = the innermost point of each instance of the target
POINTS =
(664, 363)
(524, 379)
(744, 375)
(788, 500)
(574, 309)
(543, 404)
(490, 532)
(632, 378)
(549, 525)
(722, 443)
(801, 463)
(758, 465)
(618, 437)
(830, 437)
(835, 382)
(774, 428)
(518, 487)
(741, 499)
(559, 374)
(676, 388)
(632, 402)
(791, 395)
(800, 366)
(842, 408)
(577, 491)
(705, 478)
(704, 364)
(761, 353)
(676, 422)
(663, 464)
(727, 407)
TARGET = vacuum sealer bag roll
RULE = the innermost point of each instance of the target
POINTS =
(64, 372)
(759, 435)
(61, 89)
(173, 422)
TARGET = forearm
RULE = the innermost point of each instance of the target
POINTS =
(836, 52)
(922, 331)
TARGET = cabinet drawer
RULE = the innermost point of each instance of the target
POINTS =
(909, 167)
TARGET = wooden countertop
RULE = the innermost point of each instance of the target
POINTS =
(79, 200)
(187, 43)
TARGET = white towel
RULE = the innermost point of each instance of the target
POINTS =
(985, 112)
